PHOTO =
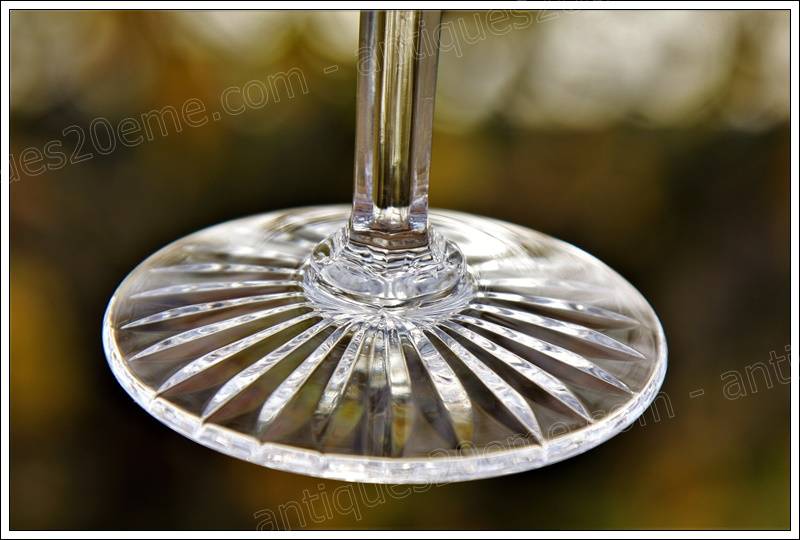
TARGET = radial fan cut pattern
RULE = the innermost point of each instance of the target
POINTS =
(217, 336)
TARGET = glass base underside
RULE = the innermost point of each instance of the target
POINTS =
(545, 354)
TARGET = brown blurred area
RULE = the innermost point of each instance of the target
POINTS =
(657, 141)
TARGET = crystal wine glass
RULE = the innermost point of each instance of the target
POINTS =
(385, 342)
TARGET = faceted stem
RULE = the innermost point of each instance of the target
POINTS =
(388, 258)
(398, 54)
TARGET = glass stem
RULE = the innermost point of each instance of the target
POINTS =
(388, 258)
(398, 56)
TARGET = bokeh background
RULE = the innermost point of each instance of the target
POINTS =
(656, 140)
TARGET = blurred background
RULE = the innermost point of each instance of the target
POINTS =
(656, 140)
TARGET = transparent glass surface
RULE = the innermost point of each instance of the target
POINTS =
(384, 343)
(237, 337)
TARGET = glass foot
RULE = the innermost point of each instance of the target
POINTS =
(537, 353)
